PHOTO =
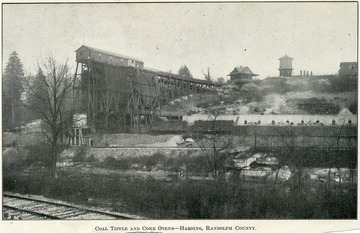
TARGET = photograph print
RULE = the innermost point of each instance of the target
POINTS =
(178, 111)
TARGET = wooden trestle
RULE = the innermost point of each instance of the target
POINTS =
(125, 98)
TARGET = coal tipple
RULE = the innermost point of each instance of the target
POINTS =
(118, 94)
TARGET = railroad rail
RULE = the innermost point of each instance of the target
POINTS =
(19, 207)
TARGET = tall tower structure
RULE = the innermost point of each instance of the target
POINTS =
(285, 66)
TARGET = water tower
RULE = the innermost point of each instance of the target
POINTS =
(285, 66)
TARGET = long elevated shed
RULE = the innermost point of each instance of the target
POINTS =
(118, 94)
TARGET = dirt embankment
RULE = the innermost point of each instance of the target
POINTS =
(131, 140)
(319, 95)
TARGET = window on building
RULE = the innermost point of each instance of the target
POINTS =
(99, 55)
(111, 59)
(121, 61)
(133, 61)
(81, 53)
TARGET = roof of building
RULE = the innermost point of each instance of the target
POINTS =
(285, 57)
(148, 69)
(108, 53)
(242, 70)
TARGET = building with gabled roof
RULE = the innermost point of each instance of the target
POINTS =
(85, 53)
(241, 73)
(116, 93)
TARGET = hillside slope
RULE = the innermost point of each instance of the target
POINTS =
(321, 95)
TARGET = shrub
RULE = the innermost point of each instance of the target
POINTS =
(112, 163)
(154, 160)
(353, 107)
(196, 199)
(39, 154)
(91, 158)
(80, 154)
(318, 106)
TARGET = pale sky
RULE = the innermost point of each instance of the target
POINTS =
(318, 36)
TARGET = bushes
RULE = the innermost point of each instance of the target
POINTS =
(342, 83)
(113, 163)
(39, 154)
(352, 106)
(154, 160)
(197, 199)
(35, 184)
(158, 161)
(318, 106)
(298, 198)
(80, 154)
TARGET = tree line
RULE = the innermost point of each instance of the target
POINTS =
(45, 96)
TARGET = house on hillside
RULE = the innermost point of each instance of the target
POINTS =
(348, 69)
(241, 74)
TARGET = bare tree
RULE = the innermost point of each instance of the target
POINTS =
(49, 97)
(207, 76)
(214, 145)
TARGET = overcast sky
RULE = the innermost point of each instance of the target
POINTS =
(165, 36)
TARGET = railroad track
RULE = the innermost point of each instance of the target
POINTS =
(19, 207)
